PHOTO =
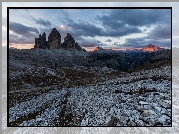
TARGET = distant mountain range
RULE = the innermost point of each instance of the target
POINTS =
(148, 48)
(116, 59)
(130, 58)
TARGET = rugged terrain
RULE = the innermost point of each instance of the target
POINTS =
(68, 88)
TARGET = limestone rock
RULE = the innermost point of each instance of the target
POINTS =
(69, 42)
(54, 39)
(41, 41)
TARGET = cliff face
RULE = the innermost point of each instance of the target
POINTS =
(41, 41)
(69, 42)
(54, 41)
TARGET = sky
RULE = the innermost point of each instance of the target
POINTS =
(107, 28)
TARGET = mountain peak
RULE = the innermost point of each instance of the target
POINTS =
(151, 48)
(98, 48)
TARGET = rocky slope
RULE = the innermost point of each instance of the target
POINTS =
(42, 94)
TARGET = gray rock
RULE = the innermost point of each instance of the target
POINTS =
(120, 118)
(146, 113)
(41, 41)
(109, 121)
(54, 41)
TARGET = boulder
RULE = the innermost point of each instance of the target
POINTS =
(109, 121)
(146, 113)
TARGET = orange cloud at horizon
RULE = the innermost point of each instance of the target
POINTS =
(21, 46)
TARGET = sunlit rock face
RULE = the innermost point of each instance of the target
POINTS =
(151, 48)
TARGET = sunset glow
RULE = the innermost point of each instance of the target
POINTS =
(21, 46)
(91, 28)
(62, 27)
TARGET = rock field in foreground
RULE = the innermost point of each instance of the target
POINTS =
(141, 98)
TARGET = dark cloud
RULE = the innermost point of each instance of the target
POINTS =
(99, 43)
(118, 23)
(141, 17)
(117, 44)
(108, 22)
(144, 41)
(121, 22)
(43, 22)
(20, 40)
(84, 28)
(108, 40)
(116, 28)
(122, 31)
(161, 31)
(23, 30)
(88, 42)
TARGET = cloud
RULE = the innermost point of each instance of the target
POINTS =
(122, 22)
(14, 39)
(64, 13)
(161, 31)
(117, 44)
(84, 28)
(108, 40)
(99, 43)
(43, 22)
(23, 30)
(88, 42)
(144, 41)
(122, 31)
(115, 28)
(141, 17)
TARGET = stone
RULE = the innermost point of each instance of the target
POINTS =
(118, 124)
(109, 120)
(146, 113)
(120, 118)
